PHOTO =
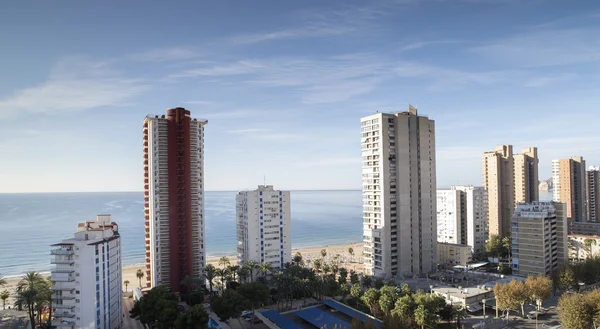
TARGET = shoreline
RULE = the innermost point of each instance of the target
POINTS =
(308, 253)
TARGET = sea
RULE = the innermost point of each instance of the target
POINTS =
(30, 223)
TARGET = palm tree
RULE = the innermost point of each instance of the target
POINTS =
(210, 272)
(126, 282)
(351, 252)
(323, 253)
(4, 296)
(48, 294)
(506, 244)
(243, 273)
(233, 270)
(187, 282)
(139, 274)
(297, 259)
(222, 272)
(29, 294)
(265, 268)
(317, 265)
(224, 261)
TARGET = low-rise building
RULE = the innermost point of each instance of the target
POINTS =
(584, 228)
(87, 277)
(453, 254)
(582, 246)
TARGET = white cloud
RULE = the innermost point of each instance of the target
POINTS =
(74, 85)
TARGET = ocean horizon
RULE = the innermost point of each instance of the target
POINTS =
(31, 222)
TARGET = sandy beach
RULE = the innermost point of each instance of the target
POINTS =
(307, 254)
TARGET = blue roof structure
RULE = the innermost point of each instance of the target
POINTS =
(352, 312)
(281, 321)
(321, 319)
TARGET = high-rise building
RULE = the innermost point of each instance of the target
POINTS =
(526, 176)
(570, 181)
(474, 213)
(498, 180)
(264, 226)
(399, 193)
(593, 194)
(87, 277)
(451, 217)
(539, 238)
(174, 198)
(508, 179)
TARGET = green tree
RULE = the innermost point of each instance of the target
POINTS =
(506, 244)
(297, 259)
(126, 282)
(379, 283)
(343, 279)
(406, 290)
(252, 266)
(243, 273)
(366, 281)
(388, 298)
(404, 308)
(423, 317)
(354, 277)
(494, 246)
(30, 294)
(344, 291)
(356, 291)
(4, 295)
(578, 311)
(256, 294)
(229, 305)
(224, 261)
(223, 273)
(195, 318)
(323, 253)
(265, 268)
(233, 271)
(317, 264)
(507, 296)
(139, 274)
(159, 307)
(210, 273)
(371, 299)
(351, 253)
(566, 278)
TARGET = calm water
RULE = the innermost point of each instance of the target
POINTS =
(30, 223)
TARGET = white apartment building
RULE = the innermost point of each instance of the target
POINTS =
(87, 277)
(474, 209)
(174, 198)
(449, 217)
(539, 238)
(263, 221)
(399, 193)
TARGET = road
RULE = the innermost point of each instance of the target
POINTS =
(128, 322)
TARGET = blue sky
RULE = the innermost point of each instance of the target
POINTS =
(283, 85)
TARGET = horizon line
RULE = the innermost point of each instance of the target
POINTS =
(141, 191)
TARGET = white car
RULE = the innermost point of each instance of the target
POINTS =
(246, 313)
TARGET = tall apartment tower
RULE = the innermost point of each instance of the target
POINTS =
(570, 181)
(539, 238)
(264, 226)
(399, 193)
(174, 198)
(451, 217)
(593, 194)
(498, 180)
(474, 213)
(526, 176)
(87, 277)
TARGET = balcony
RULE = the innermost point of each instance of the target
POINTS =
(62, 270)
(62, 251)
(62, 297)
(62, 261)
(63, 315)
(63, 279)
(63, 306)
(64, 323)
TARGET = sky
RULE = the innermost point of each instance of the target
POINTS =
(283, 85)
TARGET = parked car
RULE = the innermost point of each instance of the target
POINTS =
(246, 313)
(532, 315)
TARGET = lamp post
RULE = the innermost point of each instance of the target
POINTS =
(484, 300)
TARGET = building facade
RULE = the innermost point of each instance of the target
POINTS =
(582, 246)
(451, 217)
(593, 194)
(569, 178)
(498, 180)
(263, 220)
(474, 209)
(87, 277)
(454, 254)
(399, 193)
(526, 176)
(174, 198)
(539, 238)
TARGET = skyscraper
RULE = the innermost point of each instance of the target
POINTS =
(526, 176)
(87, 277)
(451, 217)
(508, 179)
(539, 240)
(498, 180)
(593, 194)
(570, 182)
(264, 226)
(474, 211)
(399, 193)
(174, 198)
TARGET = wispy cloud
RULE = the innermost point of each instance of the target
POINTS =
(74, 85)
(547, 47)
(320, 23)
(548, 80)
(165, 54)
